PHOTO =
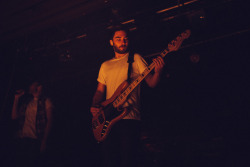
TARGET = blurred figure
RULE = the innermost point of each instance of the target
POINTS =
(33, 112)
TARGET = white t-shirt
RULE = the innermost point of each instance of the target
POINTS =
(29, 127)
(114, 72)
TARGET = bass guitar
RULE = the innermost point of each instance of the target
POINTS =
(111, 110)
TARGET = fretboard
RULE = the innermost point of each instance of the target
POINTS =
(137, 81)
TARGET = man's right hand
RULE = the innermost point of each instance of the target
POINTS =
(94, 110)
(19, 93)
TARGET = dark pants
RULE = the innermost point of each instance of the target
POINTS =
(120, 148)
(26, 152)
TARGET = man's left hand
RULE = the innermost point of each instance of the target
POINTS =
(159, 64)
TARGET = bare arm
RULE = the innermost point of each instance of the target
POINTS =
(98, 98)
(153, 79)
(99, 94)
(14, 113)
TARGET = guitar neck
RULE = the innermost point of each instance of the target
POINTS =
(137, 81)
(173, 46)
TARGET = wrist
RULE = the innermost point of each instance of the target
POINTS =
(96, 105)
(158, 73)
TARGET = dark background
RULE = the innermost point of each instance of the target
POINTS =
(197, 116)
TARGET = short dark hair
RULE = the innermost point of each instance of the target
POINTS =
(118, 28)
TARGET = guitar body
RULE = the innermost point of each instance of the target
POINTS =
(108, 115)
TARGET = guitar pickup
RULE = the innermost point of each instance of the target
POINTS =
(101, 119)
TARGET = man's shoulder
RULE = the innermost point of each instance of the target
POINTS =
(138, 57)
(112, 60)
(106, 62)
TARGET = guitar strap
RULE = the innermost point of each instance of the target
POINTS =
(130, 61)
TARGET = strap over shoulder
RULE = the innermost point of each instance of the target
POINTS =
(130, 61)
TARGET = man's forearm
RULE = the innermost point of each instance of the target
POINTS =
(153, 80)
(14, 109)
(98, 98)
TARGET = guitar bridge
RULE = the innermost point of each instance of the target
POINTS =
(105, 126)
(94, 124)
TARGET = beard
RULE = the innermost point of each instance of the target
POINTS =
(121, 49)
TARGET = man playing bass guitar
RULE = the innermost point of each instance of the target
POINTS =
(120, 145)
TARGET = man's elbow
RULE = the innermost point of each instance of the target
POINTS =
(152, 85)
(151, 82)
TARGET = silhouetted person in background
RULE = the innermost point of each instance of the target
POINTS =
(33, 113)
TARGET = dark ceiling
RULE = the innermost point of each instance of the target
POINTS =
(20, 18)
(39, 24)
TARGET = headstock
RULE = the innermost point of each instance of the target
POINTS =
(175, 44)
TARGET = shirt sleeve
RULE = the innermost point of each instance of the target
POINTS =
(141, 63)
(101, 77)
